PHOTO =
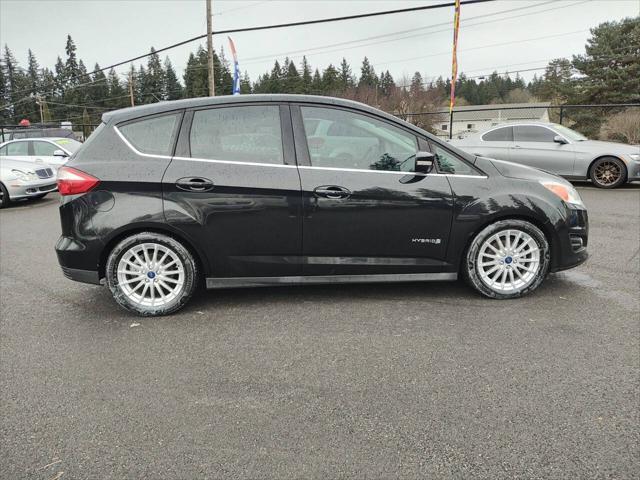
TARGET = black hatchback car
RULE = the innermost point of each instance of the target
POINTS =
(284, 189)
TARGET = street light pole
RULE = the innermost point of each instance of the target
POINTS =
(212, 88)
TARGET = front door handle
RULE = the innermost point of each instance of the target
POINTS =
(194, 184)
(332, 192)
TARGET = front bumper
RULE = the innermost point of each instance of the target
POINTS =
(572, 239)
(26, 189)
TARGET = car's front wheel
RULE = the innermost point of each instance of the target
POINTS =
(4, 196)
(608, 172)
(507, 259)
(151, 274)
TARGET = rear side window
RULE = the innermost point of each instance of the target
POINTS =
(533, 134)
(18, 149)
(152, 135)
(504, 134)
(249, 133)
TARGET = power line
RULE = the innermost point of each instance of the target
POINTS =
(288, 25)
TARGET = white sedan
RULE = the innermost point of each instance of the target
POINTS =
(52, 151)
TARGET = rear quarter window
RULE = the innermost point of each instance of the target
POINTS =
(152, 135)
(504, 134)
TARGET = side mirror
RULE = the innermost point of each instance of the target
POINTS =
(425, 162)
(60, 153)
(559, 139)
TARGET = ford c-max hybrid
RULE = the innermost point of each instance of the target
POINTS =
(255, 190)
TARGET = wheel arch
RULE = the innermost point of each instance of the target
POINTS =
(129, 230)
(600, 157)
(545, 227)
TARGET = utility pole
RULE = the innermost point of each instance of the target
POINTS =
(131, 88)
(39, 101)
(212, 88)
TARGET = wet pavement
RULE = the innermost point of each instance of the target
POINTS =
(405, 380)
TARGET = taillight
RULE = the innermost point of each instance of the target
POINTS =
(72, 181)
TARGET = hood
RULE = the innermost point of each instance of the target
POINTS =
(606, 147)
(25, 166)
(515, 170)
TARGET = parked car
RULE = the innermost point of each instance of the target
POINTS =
(20, 180)
(164, 196)
(36, 132)
(52, 151)
(557, 149)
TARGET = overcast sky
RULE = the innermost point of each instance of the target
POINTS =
(109, 31)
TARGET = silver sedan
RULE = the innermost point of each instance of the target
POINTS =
(20, 180)
(557, 149)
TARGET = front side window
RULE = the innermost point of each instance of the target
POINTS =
(531, 133)
(448, 163)
(363, 142)
(18, 149)
(153, 135)
(248, 133)
(504, 134)
(44, 149)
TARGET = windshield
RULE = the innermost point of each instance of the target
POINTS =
(69, 144)
(570, 134)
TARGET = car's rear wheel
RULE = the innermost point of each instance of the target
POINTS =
(4, 196)
(608, 172)
(151, 274)
(507, 259)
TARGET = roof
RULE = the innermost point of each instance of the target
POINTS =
(124, 114)
(502, 111)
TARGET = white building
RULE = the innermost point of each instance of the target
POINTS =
(477, 118)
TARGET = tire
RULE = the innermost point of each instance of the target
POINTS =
(520, 265)
(4, 197)
(608, 172)
(138, 278)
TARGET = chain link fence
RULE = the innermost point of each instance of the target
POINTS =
(615, 122)
(78, 131)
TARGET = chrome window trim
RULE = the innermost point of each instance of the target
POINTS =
(278, 165)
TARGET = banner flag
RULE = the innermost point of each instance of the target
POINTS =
(236, 68)
(454, 65)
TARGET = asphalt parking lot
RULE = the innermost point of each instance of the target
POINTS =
(368, 381)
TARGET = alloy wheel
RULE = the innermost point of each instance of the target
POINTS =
(607, 173)
(508, 261)
(150, 274)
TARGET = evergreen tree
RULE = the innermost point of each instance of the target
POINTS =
(417, 85)
(292, 82)
(306, 76)
(154, 80)
(118, 96)
(368, 76)
(172, 87)
(387, 85)
(245, 84)
(99, 87)
(610, 68)
(222, 74)
(316, 83)
(330, 81)
(345, 76)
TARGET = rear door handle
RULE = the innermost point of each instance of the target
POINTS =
(332, 192)
(194, 184)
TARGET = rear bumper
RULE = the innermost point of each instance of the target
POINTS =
(83, 276)
(78, 261)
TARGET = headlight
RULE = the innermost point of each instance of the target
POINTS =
(635, 157)
(25, 176)
(565, 192)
